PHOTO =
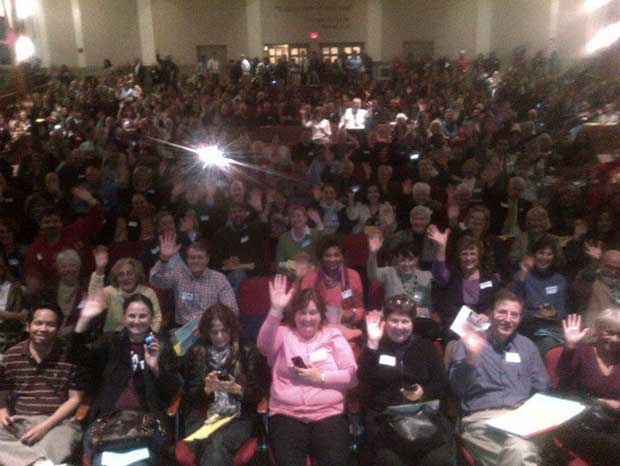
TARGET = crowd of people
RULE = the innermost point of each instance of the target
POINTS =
(459, 182)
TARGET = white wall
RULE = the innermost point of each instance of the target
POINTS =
(335, 20)
(180, 26)
(60, 35)
(450, 24)
(109, 28)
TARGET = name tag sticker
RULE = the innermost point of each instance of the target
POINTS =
(484, 285)
(387, 360)
(245, 239)
(318, 355)
(155, 250)
(504, 205)
(13, 262)
(185, 296)
(132, 224)
(306, 243)
(551, 289)
(204, 218)
(513, 357)
(347, 294)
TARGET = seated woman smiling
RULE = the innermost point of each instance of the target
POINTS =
(312, 369)
(399, 368)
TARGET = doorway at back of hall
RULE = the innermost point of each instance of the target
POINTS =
(219, 51)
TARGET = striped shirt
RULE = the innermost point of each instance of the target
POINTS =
(38, 388)
(192, 295)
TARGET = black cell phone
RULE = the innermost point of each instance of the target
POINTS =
(299, 362)
(223, 376)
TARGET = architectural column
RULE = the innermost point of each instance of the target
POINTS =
(484, 20)
(374, 29)
(255, 28)
(147, 34)
(39, 35)
(78, 33)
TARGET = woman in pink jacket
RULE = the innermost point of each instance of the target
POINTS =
(312, 368)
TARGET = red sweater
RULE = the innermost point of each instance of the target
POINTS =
(41, 255)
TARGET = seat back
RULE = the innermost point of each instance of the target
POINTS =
(552, 358)
(356, 248)
(376, 295)
(253, 306)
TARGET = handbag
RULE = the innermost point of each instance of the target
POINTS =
(124, 429)
(416, 427)
(601, 418)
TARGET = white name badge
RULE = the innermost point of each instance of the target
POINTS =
(347, 294)
(185, 296)
(155, 250)
(306, 243)
(504, 205)
(204, 218)
(132, 224)
(39, 257)
(387, 360)
(245, 239)
(484, 285)
(551, 289)
(13, 262)
(318, 355)
(513, 357)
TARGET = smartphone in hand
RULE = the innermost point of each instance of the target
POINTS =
(299, 362)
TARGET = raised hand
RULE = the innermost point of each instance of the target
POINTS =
(317, 193)
(278, 295)
(374, 329)
(93, 307)
(474, 343)
(526, 264)
(453, 213)
(581, 228)
(375, 242)
(168, 246)
(84, 195)
(572, 331)
(100, 253)
(256, 200)
(388, 216)
(314, 215)
(594, 250)
(441, 239)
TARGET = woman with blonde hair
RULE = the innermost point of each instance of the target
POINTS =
(591, 367)
(126, 278)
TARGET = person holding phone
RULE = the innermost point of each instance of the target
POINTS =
(398, 368)
(222, 377)
(132, 370)
(312, 369)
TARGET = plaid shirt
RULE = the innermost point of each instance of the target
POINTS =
(192, 295)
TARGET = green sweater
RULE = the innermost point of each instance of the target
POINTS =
(288, 248)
